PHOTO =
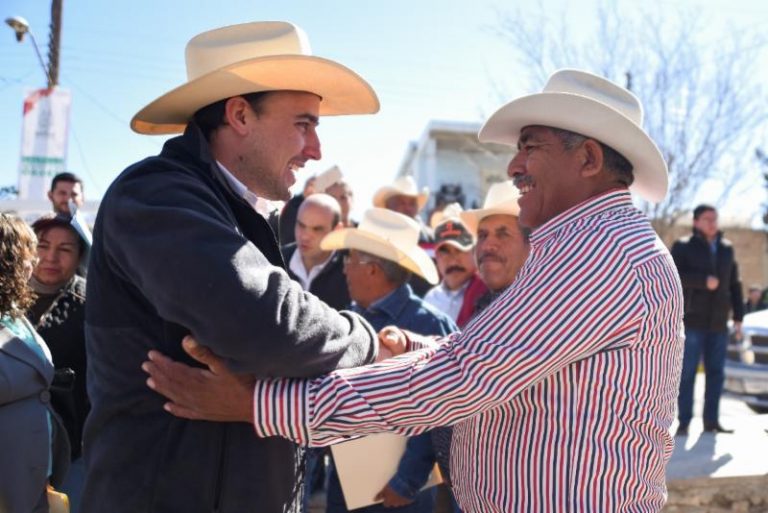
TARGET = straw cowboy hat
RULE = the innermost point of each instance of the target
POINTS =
(389, 235)
(451, 210)
(592, 106)
(327, 178)
(250, 58)
(403, 186)
(501, 199)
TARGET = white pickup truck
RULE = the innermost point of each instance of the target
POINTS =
(746, 366)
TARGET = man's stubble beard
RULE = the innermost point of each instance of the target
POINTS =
(263, 183)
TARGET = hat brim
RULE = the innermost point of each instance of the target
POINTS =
(455, 244)
(472, 218)
(342, 90)
(588, 117)
(386, 192)
(414, 259)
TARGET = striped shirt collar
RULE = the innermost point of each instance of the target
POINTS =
(589, 207)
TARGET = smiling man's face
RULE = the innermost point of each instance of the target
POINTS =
(547, 175)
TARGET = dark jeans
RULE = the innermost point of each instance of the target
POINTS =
(314, 475)
(711, 345)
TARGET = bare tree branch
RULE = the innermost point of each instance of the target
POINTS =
(701, 99)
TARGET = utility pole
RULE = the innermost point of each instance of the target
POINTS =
(54, 43)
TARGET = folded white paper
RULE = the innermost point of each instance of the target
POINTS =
(366, 465)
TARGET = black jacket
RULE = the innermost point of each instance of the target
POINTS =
(286, 222)
(176, 252)
(708, 309)
(330, 285)
(62, 326)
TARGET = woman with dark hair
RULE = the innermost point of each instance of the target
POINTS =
(33, 442)
(58, 315)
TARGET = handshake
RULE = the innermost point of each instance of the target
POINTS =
(215, 393)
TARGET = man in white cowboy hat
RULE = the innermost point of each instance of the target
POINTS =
(382, 253)
(562, 392)
(501, 247)
(181, 247)
(404, 197)
(460, 283)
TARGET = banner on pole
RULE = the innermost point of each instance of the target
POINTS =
(45, 132)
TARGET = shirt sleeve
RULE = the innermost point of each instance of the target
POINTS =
(561, 309)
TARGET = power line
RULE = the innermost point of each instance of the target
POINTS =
(97, 103)
(84, 162)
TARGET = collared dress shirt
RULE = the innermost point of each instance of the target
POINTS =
(562, 392)
(260, 205)
(447, 300)
(305, 278)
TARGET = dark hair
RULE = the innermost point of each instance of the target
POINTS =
(393, 272)
(17, 247)
(701, 209)
(211, 117)
(48, 221)
(613, 161)
(66, 177)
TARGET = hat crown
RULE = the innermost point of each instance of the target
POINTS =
(597, 88)
(218, 48)
(399, 230)
(406, 185)
(500, 194)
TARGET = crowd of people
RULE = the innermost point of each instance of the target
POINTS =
(530, 350)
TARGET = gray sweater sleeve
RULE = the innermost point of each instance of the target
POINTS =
(173, 238)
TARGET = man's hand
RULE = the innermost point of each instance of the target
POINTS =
(391, 498)
(737, 334)
(712, 282)
(392, 342)
(201, 394)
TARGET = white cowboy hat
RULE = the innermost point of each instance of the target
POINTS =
(403, 186)
(592, 106)
(388, 235)
(250, 58)
(450, 211)
(501, 199)
(327, 178)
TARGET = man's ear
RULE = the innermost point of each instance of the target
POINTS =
(236, 113)
(591, 154)
(50, 196)
(338, 226)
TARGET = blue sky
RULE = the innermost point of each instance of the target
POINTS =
(426, 59)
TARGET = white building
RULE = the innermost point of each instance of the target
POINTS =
(450, 161)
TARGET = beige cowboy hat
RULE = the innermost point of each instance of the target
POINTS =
(592, 106)
(451, 210)
(389, 235)
(501, 199)
(250, 58)
(403, 186)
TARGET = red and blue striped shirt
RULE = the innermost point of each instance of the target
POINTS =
(561, 393)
